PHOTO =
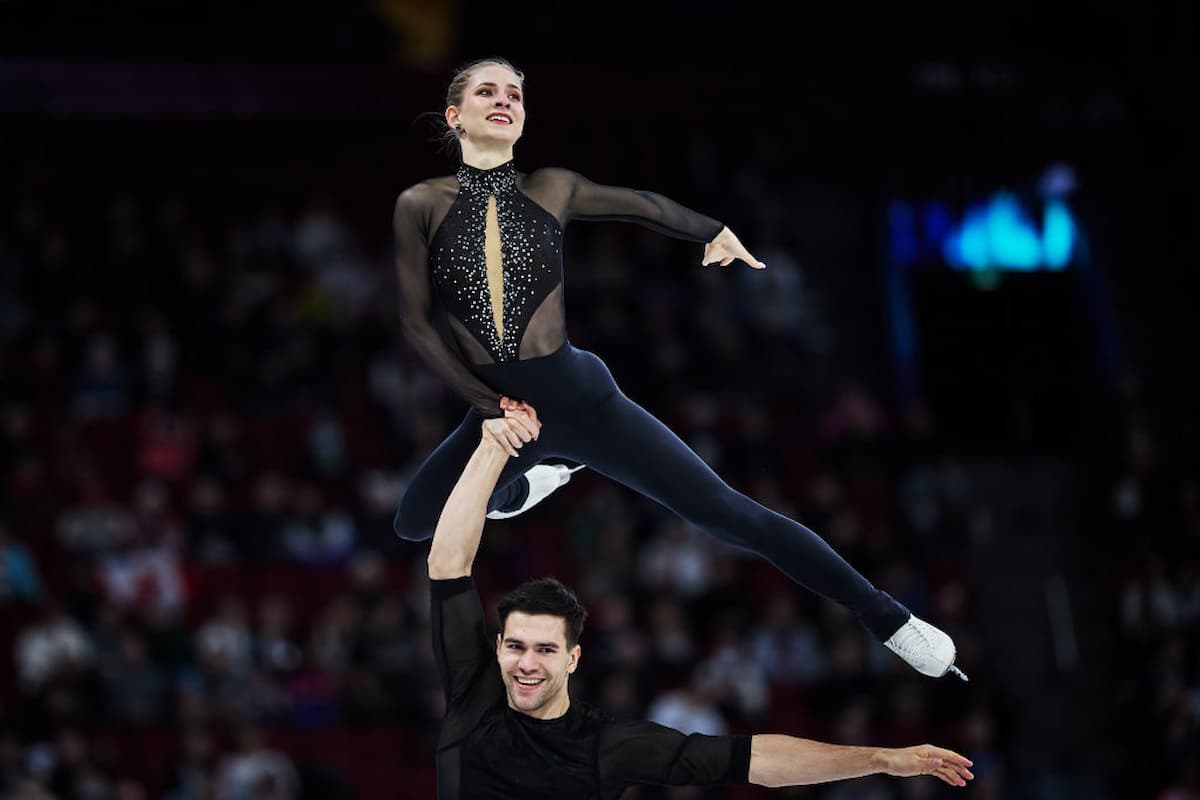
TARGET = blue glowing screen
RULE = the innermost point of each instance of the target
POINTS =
(1000, 233)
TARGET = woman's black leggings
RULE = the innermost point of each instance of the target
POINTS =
(586, 418)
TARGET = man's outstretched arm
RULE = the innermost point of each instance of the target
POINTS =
(459, 528)
(777, 760)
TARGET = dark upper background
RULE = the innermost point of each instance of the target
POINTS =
(890, 97)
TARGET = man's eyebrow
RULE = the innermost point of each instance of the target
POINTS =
(511, 640)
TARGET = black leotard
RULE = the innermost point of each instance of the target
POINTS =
(487, 750)
(441, 228)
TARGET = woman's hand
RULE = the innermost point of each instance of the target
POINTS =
(725, 248)
(519, 425)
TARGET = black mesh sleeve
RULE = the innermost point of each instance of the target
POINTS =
(645, 752)
(594, 201)
(410, 224)
(465, 660)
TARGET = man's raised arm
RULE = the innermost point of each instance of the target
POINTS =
(459, 528)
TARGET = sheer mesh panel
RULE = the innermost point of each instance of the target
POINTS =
(440, 235)
(545, 332)
(475, 352)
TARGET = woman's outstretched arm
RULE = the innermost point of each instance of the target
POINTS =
(586, 200)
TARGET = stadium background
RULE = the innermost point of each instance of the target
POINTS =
(208, 413)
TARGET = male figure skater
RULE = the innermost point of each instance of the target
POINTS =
(511, 729)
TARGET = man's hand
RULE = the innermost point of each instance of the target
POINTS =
(725, 248)
(925, 759)
(519, 425)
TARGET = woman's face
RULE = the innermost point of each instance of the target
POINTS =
(493, 107)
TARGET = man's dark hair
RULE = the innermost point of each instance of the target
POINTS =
(546, 596)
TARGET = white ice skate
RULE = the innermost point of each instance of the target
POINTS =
(927, 649)
(543, 480)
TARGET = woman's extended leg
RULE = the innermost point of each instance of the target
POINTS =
(622, 440)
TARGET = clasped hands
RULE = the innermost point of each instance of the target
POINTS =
(520, 424)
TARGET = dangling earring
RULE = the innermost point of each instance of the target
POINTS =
(458, 129)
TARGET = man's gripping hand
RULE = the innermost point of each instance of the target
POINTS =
(519, 425)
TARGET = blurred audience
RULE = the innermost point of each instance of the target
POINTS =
(207, 419)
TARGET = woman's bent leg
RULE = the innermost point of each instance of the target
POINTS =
(426, 494)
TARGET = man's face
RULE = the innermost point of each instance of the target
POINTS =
(535, 663)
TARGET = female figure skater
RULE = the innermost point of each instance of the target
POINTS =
(479, 263)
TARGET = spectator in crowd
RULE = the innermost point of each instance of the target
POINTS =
(56, 646)
(19, 578)
(255, 771)
(690, 708)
